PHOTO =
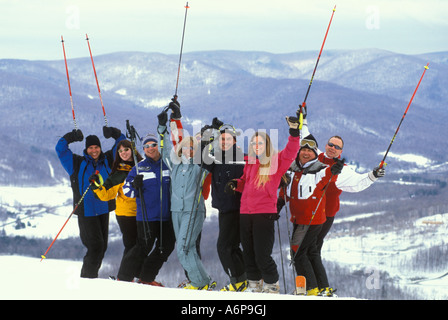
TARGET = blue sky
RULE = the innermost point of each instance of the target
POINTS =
(31, 29)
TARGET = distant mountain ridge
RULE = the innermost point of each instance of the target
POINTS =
(358, 94)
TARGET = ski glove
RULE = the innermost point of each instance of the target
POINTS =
(336, 168)
(96, 180)
(379, 172)
(163, 118)
(231, 186)
(216, 124)
(111, 132)
(175, 108)
(302, 108)
(294, 126)
(73, 136)
(138, 181)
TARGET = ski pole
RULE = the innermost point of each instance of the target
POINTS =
(281, 255)
(382, 163)
(69, 87)
(317, 62)
(44, 256)
(181, 49)
(132, 134)
(96, 78)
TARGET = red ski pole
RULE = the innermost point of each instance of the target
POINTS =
(69, 87)
(382, 163)
(315, 66)
(96, 78)
(44, 256)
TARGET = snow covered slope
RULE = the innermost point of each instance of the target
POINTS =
(29, 279)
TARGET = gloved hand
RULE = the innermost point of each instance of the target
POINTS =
(138, 181)
(175, 108)
(109, 132)
(216, 124)
(231, 186)
(163, 118)
(280, 204)
(97, 180)
(73, 136)
(379, 172)
(336, 168)
(294, 126)
(302, 108)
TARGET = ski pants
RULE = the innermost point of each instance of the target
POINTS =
(145, 258)
(308, 261)
(187, 231)
(323, 233)
(257, 238)
(228, 246)
(94, 233)
(128, 228)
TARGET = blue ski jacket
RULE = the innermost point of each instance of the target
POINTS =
(80, 168)
(152, 185)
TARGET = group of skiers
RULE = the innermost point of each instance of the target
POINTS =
(159, 200)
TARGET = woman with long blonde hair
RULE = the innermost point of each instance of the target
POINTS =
(259, 184)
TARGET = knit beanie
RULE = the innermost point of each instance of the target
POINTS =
(150, 138)
(92, 140)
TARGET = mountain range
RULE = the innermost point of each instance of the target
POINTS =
(360, 95)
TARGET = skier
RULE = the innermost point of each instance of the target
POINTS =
(187, 201)
(112, 188)
(226, 163)
(308, 194)
(93, 214)
(154, 226)
(258, 186)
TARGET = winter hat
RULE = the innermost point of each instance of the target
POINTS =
(92, 140)
(150, 138)
(309, 142)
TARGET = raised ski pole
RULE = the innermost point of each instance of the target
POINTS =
(96, 78)
(315, 66)
(44, 256)
(69, 87)
(382, 163)
(181, 50)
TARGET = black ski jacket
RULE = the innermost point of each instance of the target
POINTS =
(224, 166)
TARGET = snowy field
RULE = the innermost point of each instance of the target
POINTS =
(27, 278)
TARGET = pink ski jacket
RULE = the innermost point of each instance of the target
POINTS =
(263, 199)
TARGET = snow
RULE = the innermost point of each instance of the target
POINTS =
(28, 278)
(420, 161)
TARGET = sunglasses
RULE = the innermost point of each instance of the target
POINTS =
(187, 148)
(310, 143)
(123, 150)
(334, 146)
(152, 145)
(259, 143)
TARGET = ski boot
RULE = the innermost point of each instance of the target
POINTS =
(255, 286)
(327, 292)
(271, 288)
(236, 287)
(313, 292)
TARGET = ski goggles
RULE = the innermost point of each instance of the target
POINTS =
(334, 146)
(152, 145)
(123, 150)
(308, 143)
